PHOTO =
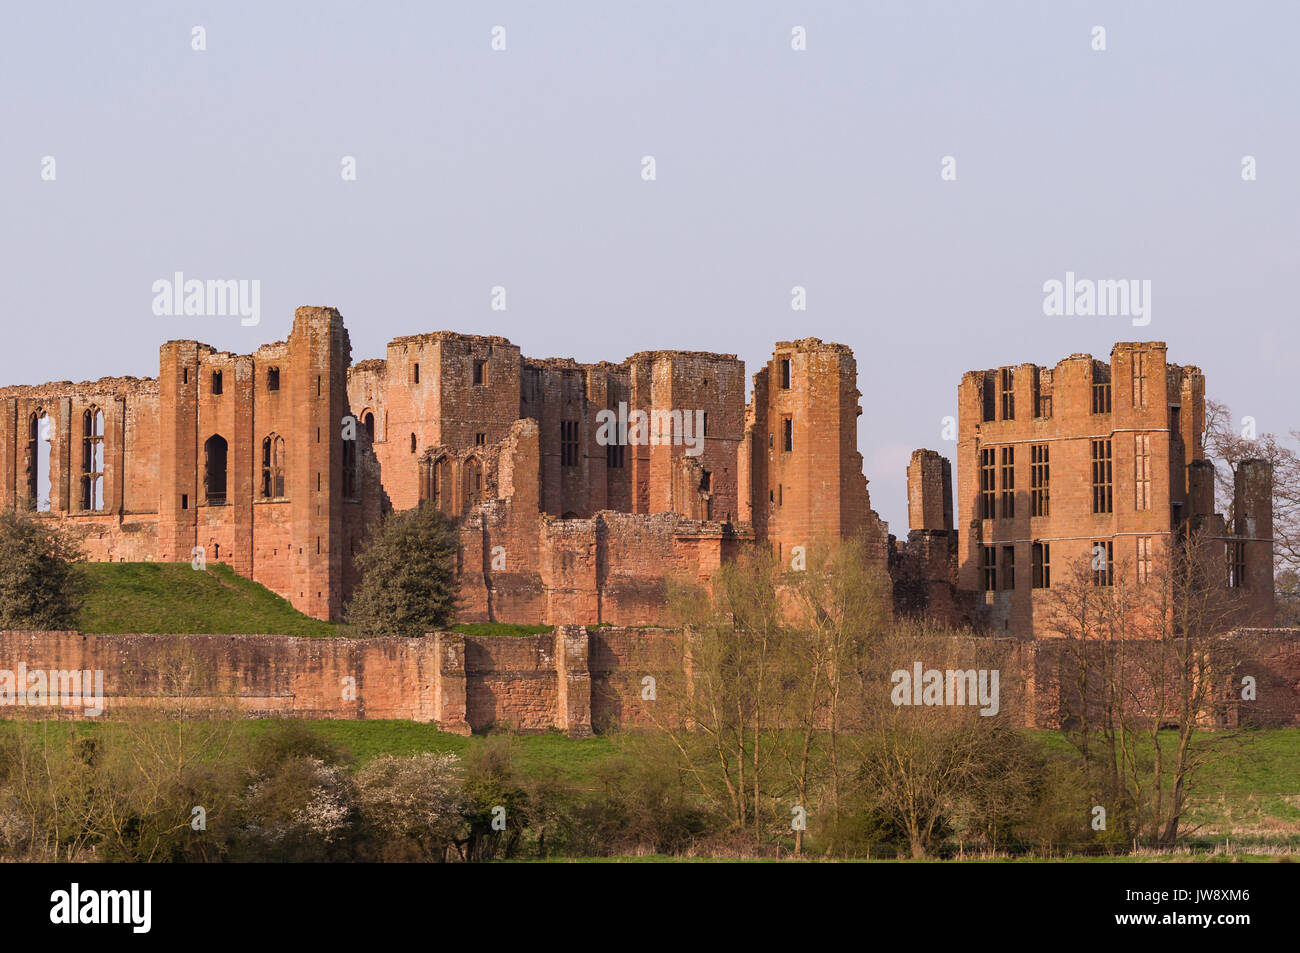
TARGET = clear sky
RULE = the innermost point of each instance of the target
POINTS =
(523, 168)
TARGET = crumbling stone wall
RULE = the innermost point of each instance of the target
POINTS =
(1155, 482)
(576, 679)
(245, 459)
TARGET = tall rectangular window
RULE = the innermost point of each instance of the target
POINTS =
(1008, 394)
(1101, 477)
(480, 373)
(988, 490)
(787, 431)
(216, 382)
(92, 460)
(1039, 479)
(1101, 397)
(1143, 559)
(614, 456)
(1142, 470)
(1008, 482)
(989, 398)
(568, 443)
(990, 568)
(785, 373)
(1140, 379)
(1103, 563)
(1008, 567)
(1042, 566)
(1236, 564)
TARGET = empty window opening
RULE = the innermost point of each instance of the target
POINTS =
(988, 488)
(480, 439)
(1042, 566)
(92, 459)
(1101, 476)
(480, 373)
(40, 436)
(415, 373)
(369, 421)
(1036, 389)
(1236, 564)
(214, 469)
(1101, 397)
(1008, 482)
(989, 568)
(413, 443)
(438, 492)
(1039, 480)
(185, 375)
(185, 501)
(785, 373)
(568, 443)
(787, 434)
(614, 456)
(473, 482)
(1008, 567)
(272, 467)
(1103, 563)
(273, 378)
(216, 383)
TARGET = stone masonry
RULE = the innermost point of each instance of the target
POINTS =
(279, 462)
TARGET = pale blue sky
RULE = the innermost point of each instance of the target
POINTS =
(775, 168)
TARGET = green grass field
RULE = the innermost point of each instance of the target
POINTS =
(173, 598)
(167, 598)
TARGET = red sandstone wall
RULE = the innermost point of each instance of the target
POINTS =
(572, 679)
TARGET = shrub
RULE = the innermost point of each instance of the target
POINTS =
(408, 584)
(41, 582)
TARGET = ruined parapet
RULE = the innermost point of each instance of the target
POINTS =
(929, 492)
(1252, 514)
(1200, 489)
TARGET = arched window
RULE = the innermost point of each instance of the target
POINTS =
(473, 482)
(369, 421)
(92, 459)
(272, 467)
(214, 469)
(440, 492)
(39, 444)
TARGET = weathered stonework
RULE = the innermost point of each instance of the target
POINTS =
(279, 462)
(1053, 461)
(576, 680)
